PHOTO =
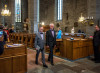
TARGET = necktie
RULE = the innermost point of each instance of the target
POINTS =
(41, 33)
(52, 33)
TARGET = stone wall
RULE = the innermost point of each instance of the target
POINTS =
(10, 20)
(72, 10)
(31, 13)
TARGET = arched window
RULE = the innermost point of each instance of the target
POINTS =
(38, 6)
(17, 10)
(59, 9)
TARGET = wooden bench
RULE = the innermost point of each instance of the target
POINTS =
(14, 60)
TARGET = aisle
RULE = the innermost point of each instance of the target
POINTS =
(84, 65)
(31, 59)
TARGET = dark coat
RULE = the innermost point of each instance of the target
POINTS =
(50, 40)
(2, 43)
(39, 41)
(96, 38)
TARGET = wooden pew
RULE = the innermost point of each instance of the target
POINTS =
(27, 39)
(12, 37)
(14, 60)
(31, 38)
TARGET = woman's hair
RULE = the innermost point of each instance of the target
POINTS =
(59, 28)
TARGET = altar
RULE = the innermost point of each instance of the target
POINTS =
(77, 48)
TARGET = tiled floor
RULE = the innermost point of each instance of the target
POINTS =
(84, 65)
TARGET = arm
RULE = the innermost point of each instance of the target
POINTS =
(99, 38)
(58, 35)
(35, 43)
(47, 37)
(55, 39)
(44, 38)
(5, 36)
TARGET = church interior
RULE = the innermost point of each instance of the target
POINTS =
(27, 23)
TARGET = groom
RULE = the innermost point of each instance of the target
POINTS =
(39, 45)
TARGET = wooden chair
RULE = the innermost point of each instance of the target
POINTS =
(17, 38)
(13, 39)
(25, 39)
(30, 40)
(20, 38)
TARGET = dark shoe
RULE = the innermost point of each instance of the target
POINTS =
(97, 61)
(93, 59)
(49, 60)
(52, 64)
(36, 63)
(44, 65)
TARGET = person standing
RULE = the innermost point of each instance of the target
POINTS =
(39, 45)
(59, 33)
(51, 42)
(29, 25)
(96, 44)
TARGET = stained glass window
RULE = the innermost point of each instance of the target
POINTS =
(18, 10)
(38, 10)
(59, 9)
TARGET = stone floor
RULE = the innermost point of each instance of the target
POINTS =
(84, 65)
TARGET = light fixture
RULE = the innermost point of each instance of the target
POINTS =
(5, 11)
(81, 19)
(42, 23)
(89, 20)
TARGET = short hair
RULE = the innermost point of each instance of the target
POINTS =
(41, 26)
(51, 24)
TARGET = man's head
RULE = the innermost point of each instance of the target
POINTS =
(97, 28)
(51, 26)
(41, 29)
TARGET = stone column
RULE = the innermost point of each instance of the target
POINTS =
(36, 17)
(93, 10)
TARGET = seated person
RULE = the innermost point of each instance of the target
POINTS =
(79, 31)
(5, 29)
(59, 33)
(3, 38)
(11, 30)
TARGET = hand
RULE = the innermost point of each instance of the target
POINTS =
(55, 46)
(36, 48)
(47, 46)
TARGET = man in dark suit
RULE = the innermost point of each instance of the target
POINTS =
(96, 44)
(39, 45)
(51, 42)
